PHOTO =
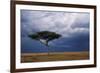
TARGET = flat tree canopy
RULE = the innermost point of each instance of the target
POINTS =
(45, 36)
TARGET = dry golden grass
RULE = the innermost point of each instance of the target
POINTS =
(55, 56)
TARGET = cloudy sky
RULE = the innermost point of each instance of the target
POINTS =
(73, 26)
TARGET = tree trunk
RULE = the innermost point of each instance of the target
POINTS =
(48, 48)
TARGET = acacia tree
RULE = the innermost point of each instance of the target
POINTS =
(45, 37)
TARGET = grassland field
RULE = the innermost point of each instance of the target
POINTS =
(54, 56)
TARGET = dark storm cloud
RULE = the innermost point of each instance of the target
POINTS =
(74, 28)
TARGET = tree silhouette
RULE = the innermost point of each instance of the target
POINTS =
(45, 37)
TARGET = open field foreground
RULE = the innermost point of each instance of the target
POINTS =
(55, 56)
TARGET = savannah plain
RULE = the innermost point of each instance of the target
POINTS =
(54, 56)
